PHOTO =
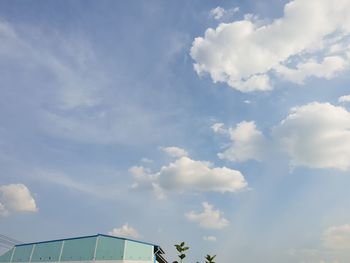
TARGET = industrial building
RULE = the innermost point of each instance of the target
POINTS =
(88, 249)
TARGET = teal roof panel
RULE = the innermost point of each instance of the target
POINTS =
(109, 248)
(79, 249)
(22, 253)
(6, 257)
(138, 251)
(46, 252)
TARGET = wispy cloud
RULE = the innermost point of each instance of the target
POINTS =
(74, 91)
(76, 184)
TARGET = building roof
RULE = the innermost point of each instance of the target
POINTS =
(80, 237)
(94, 247)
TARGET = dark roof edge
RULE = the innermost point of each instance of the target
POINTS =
(80, 237)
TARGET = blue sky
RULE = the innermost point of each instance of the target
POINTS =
(225, 124)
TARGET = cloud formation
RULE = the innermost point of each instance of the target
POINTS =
(310, 39)
(125, 231)
(174, 151)
(16, 198)
(247, 142)
(345, 98)
(209, 218)
(315, 135)
(186, 174)
(219, 13)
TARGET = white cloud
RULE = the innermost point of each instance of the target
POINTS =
(220, 13)
(345, 98)
(125, 231)
(217, 12)
(337, 237)
(327, 69)
(185, 174)
(15, 198)
(174, 151)
(315, 135)
(245, 53)
(209, 218)
(219, 128)
(142, 177)
(247, 143)
(210, 238)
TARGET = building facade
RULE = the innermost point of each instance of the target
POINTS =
(89, 249)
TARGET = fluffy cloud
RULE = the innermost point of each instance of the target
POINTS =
(174, 151)
(328, 68)
(185, 174)
(337, 237)
(219, 13)
(315, 135)
(16, 198)
(143, 178)
(125, 231)
(247, 142)
(310, 39)
(345, 98)
(209, 218)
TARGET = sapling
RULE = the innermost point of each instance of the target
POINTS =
(181, 248)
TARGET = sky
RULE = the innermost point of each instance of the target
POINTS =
(224, 124)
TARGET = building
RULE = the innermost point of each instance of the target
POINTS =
(88, 249)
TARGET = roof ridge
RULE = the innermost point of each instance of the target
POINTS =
(89, 236)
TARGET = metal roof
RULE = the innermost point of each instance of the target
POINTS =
(81, 237)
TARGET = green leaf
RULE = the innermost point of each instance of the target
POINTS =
(182, 256)
(178, 248)
(182, 244)
(210, 259)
